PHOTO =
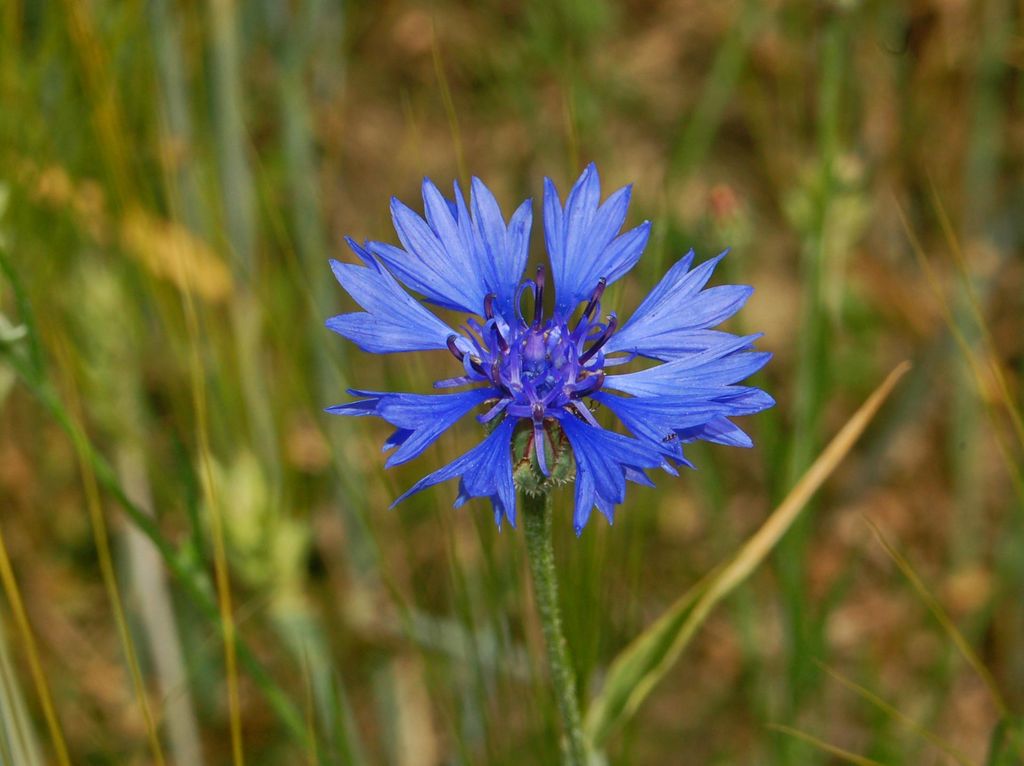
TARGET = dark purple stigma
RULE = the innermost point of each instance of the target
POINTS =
(538, 297)
(594, 302)
(499, 339)
(456, 351)
(606, 333)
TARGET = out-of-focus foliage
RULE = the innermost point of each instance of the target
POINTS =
(174, 177)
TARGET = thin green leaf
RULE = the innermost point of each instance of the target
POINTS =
(642, 664)
(838, 752)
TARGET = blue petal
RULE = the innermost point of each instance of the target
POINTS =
(582, 239)
(393, 320)
(503, 249)
(584, 499)
(661, 419)
(720, 430)
(602, 460)
(654, 420)
(486, 471)
(676, 316)
(437, 260)
(694, 406)
(419, 418)
(455, 259)
(721, 365)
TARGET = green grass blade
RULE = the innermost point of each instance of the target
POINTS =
(193, 580)
(642, 664)
(696, 136)
(898, 716)
(18, 744)
(838, 752)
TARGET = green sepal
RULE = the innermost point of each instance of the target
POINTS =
(557, 452)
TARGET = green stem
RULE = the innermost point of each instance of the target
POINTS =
(537, 521)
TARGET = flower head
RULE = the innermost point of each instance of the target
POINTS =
(535, 378)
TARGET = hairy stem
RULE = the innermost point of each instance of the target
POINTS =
(537, 521)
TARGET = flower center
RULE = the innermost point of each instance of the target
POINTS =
(542, 366)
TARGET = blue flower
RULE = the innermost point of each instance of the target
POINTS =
(540, 375)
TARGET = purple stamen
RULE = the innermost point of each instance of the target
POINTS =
(477, 365)
(499, 339)
(595, 297)
(585, 413)
(496, 410)
(538, 438)
(529, 284)
(454, 382)
(620, 360)
(538, 297)
(538, 447)
(613, 322)
(456, 351)
(474, 332)
(515, 368)
(489, 305)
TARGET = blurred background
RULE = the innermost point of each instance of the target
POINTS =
(174, 177)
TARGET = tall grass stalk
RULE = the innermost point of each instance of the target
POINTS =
(18, 743)
(220, 556)
(812, 375)
(154, 602)
(979, 178)
(695, 136)
(237, 195)
(13, 593)
(98, 523)
(841, 754)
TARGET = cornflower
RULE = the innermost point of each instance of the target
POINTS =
(541, 374)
